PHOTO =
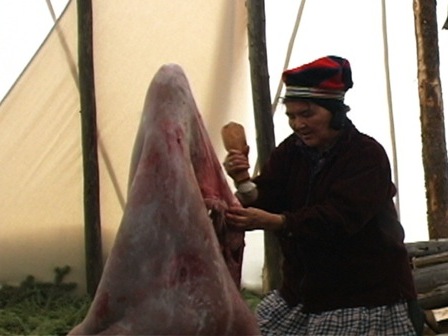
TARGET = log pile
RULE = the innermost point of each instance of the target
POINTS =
(429, 260)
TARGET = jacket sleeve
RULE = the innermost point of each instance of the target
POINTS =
(271, 183)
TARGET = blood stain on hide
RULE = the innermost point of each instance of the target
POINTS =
(186, 267)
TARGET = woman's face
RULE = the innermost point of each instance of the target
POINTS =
(311, 123)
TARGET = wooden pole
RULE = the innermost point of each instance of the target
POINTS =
(92, 228)
(261, 97)
(435, 162)
(390, 106)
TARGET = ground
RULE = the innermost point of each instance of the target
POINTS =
(37, 308)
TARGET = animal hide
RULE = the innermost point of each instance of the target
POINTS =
(175, 266)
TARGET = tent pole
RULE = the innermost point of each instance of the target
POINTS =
(445, 25)
(92, 225)
(263, 124)
(435, 163)
(390, 106)
(292, 39)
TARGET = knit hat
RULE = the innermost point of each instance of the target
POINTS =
(323, 81)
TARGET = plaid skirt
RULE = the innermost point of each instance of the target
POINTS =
(276, 318)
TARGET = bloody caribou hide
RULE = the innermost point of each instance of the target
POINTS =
(175, 267)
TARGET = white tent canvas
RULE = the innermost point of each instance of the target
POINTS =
(41, 160)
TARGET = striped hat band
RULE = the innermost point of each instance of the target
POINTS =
(310, 92)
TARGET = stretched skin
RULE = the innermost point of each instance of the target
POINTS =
(175, 267)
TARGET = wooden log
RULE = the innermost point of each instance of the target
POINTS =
(435, 299)
(424, 248)
(430, 269)
(429, 260)
(428, 278)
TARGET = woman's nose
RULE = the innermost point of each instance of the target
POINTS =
(297, 123)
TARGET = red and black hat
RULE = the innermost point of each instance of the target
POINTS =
(324, 81)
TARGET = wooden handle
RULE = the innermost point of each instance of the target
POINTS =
(234, 137)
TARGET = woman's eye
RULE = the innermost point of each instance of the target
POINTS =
(306, 114)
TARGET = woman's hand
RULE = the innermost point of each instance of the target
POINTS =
(236, 164)
(252, 219)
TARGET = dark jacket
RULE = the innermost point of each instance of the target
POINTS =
(343, 244)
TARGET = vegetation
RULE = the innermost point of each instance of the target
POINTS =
(251, 298)
(38, 308)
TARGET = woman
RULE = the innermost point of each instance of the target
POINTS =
(327, 193)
